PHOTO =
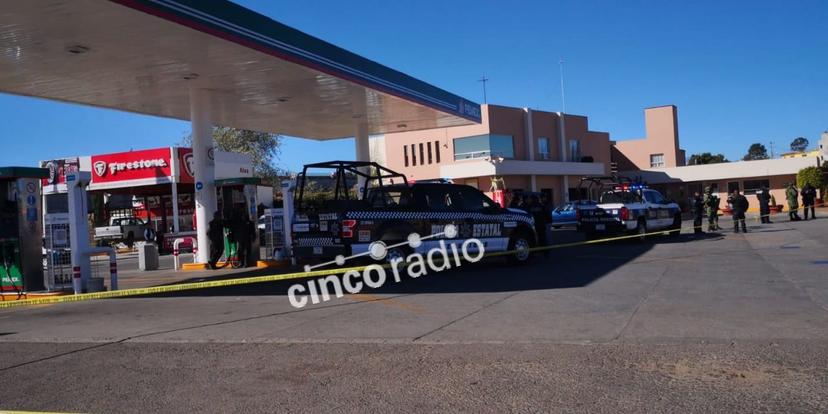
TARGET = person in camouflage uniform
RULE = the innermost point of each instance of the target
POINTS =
(711, 204)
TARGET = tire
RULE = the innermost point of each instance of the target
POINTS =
(520, 241)
(641, 230)
(675, 229)
(394, 253)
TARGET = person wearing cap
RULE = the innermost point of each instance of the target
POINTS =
(711, 203)
(808, 197)
(764, 204)
(697, 205)
(792, 196)
(740, 205)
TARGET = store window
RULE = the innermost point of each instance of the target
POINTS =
(430, 158)
(413, 154)
(482, 146)
(543, 148)
(437, 151)
(656, 160)
(405, 154)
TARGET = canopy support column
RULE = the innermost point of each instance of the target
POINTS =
(363, 152)
(204, 166)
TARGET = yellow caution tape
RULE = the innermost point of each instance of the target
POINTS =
(270, 278)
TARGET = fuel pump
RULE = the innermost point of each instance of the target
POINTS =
(237, 203)
(21, 266)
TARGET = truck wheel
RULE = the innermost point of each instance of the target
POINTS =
(520, 243)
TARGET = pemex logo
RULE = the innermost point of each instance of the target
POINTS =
(100, 168)
(188, 164)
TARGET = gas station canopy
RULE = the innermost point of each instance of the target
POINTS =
(145, 56)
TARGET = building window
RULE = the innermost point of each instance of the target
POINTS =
(413, 154)
(543, 148)
(422, 154)
(656, 160)
(753, 186)
(405, 154)
(482, 146)
(437, 151)
(574, 150)
(430, 160)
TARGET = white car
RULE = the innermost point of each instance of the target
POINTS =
(630, 209)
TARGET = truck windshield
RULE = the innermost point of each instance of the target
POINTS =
(619, 197)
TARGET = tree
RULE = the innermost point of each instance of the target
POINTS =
(756, 151)
(706, 158)
(799, 144)
(263, 148)
(813, 176)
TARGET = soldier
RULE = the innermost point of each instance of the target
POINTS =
(711, 203)
(740, 205)
(808, 197)
(793, 202)
(764, 204)
(697, 205)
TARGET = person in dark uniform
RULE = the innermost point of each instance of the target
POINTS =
(244, 237)
(697, 205)
(541, 214)
(517, 201)
(740, 206)
(764, 204)
(216, 235)
(808, 197)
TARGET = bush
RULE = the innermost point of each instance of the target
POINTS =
(813, 176)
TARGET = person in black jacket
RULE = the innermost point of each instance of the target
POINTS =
(541, 214)
(216, 235)
(764, 204)
(808, 197)
(740, 206)
(697, 204)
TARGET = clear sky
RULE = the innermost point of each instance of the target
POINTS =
(739, 72)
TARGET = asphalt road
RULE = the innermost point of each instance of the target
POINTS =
(717, 323)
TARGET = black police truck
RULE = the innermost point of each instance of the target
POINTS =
(356, 203)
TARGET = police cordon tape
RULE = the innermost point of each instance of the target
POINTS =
(281, 277)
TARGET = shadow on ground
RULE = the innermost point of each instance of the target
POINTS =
(562, 268)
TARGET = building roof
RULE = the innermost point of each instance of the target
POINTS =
(724, 171)
(145, 56)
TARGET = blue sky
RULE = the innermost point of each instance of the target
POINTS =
(739, 72)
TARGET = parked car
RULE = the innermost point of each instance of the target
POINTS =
(565, 215)
(121, 229)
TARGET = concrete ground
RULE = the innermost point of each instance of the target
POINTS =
(722, 322)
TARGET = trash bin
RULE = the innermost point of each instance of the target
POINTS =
(147, 256)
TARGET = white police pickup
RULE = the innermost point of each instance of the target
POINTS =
(629, 209)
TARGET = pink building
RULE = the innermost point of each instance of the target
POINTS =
(519, 149)
(660, 146)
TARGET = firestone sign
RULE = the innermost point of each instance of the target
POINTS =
(101, 166)
(153, 164)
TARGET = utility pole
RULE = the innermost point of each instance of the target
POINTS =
(563, 99)
(483, 80)
(771, 145)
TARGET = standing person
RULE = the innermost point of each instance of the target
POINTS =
(808, 198)
(216, 235)
(740, 206)
(541, 215)
(517, 201)
(711, 203)
(793, 202)
(764, 204)
(697, 204)
(244, 237)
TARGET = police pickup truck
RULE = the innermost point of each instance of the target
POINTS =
(626, 207)
(337, 222)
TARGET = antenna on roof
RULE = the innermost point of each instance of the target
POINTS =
(563, 99)
(483, 80)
